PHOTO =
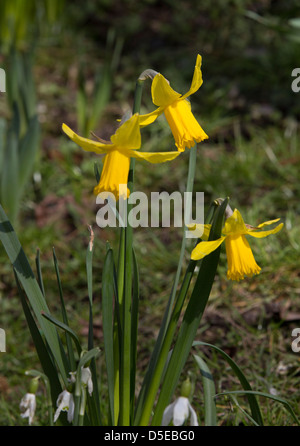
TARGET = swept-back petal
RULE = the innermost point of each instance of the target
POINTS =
(87, 144)
(205, 248)
(162, 93)
(149, 118)
(128, 135)
(261, 234)
(154, 157)
(267, 223)
(197, 80)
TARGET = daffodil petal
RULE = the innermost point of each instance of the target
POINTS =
(197, 80)
(199, 230)
(128, 135)
(154, 157)
(205, 248)
(162, 93)
(267, 223)
(87, 144)
(149, 118)
(261, 234)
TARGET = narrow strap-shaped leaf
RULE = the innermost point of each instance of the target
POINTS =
(41, 349)
(134, 327)
(191, 319)
(255, 410)
(64, 314)
(10, 175)
(93, 401)
(108, 321)
(28, 149)
(39, 272)
(64, 327)
(209, 392)
(31, 288)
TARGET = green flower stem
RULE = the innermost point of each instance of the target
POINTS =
(164, 352)
(189, 189)
(82, 407)
(125, 310)
(157, 352)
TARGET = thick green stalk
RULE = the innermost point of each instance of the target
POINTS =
(191, 319)
(126, 351)
(157, 354)
(165, 348)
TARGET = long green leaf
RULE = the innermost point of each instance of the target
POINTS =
(209, 392)
(64, 314)
(27, 150)
(108, 321)
(31, 288)
(10, 174)
(64, 327)
(41, 348)
(134, 327)
(255, 410)
(93, 401)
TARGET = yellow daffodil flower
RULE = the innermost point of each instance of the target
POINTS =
(240, 258)
(177, 109)
(123, 145)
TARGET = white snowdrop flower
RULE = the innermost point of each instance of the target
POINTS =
(28, 406)
(65, 403)
(178, 412)
(86, 379)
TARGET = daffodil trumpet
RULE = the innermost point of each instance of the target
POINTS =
(123, 146)
(240, 259)
(177, 109)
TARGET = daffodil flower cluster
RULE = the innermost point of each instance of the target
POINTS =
(126, 143)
